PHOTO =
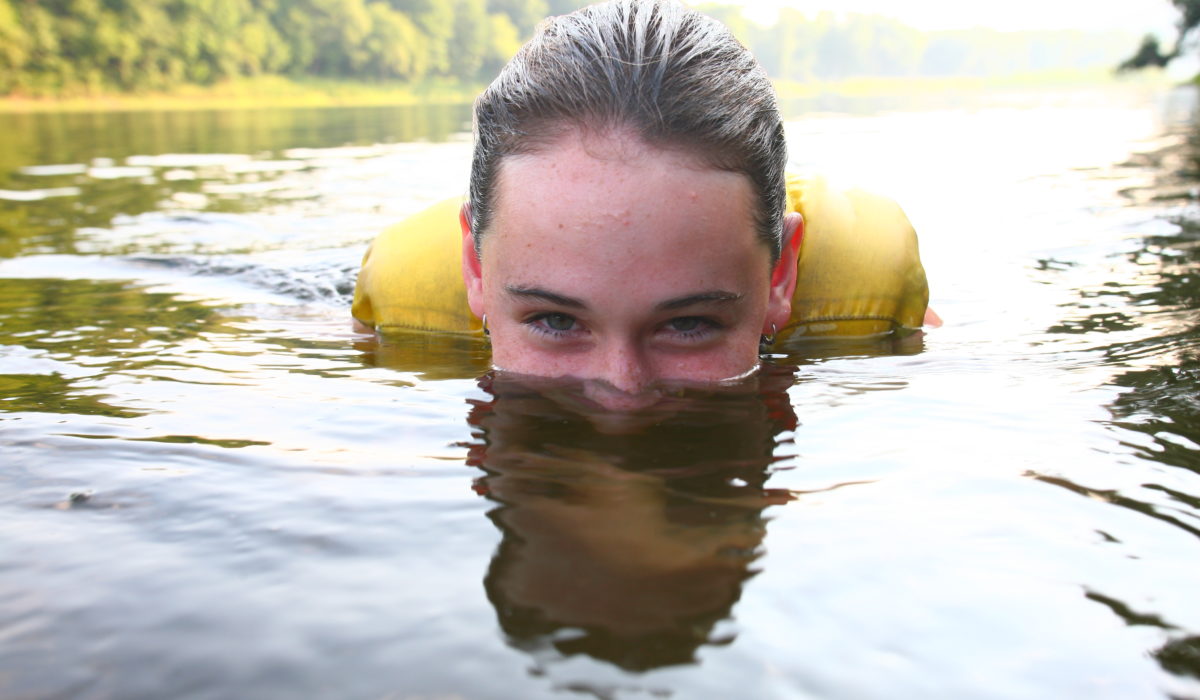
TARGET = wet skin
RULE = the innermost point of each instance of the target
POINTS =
(626, 265)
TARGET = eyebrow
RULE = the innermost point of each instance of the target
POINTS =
(710, 297)
(715, 296)
(545, 295)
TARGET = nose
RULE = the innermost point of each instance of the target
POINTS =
(623, 378)
(623, 367)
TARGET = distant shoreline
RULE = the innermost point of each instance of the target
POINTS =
(875, 86)
(278, 92)
(254, 93)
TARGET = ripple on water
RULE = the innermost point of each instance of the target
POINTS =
(38, 195)
(53, 170)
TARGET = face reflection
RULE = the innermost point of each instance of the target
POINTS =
(629, 548)
(623, 264)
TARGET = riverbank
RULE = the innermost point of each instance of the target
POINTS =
(909, 85)
(278, 91)
(249, 93)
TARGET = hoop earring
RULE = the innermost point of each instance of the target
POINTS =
(768, 339)
(485, 328)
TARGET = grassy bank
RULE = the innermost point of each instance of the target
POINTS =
(262, 91)
(880, 86)
(277, 91)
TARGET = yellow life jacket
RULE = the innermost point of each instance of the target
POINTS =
(860, 272)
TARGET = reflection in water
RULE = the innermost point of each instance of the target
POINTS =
(433, 355)
(184, 181)
(627, 547)
(1148, 306)
(1163, 401)
(804, 351)
(78, 137)
(59, 339)
(1181, 657)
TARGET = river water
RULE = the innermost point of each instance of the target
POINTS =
(210, 487)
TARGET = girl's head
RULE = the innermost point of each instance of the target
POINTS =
(674, 78)
(626, 216)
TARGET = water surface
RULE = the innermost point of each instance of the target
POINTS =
(213, 488)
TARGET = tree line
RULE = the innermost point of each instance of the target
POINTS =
(799, 47)
(56, 47)
(53, 46)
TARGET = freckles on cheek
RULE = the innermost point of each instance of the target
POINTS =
(730, 360)
(706, 369)
(515, 353)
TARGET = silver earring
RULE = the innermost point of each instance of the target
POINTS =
(768, 339)
(485, 328)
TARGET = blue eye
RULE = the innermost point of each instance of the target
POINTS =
(558, 322)
(553, 324)
(684, 324)
(691, 329)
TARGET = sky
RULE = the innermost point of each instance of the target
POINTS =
(1138, 16)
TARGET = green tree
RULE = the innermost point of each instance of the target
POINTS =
(264, 49)
(843, 47)
(340, 31)
(15, 47)
(729, 15)
(502, 44)
(396, 47)
(156, 65)
(895, 49)
(562, 7)
(1150, 53)
(435, 19)
(793, 44)
(45, 66)
(469, 42)
(524, 14)
(295, 21)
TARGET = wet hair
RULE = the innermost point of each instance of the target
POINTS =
(672, 76)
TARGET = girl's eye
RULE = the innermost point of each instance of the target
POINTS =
(558, 322)
(553, 324)
(684, 324)
(691, 329)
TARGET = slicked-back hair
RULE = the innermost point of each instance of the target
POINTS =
(674, 77)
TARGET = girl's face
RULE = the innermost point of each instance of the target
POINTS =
(625, 265)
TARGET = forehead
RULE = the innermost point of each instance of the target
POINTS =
(618, 222)
(613, 184)
(595, 151)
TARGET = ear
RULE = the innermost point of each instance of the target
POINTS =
(472, 268)
(784, 275)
